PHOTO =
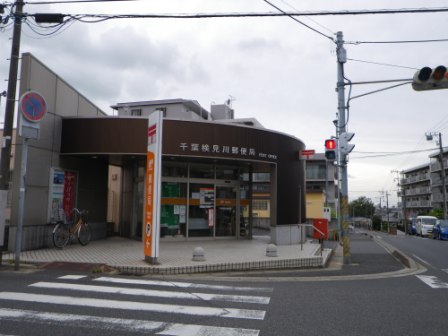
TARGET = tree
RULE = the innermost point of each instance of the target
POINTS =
(362, 207)
(437, 212)
(376, 222)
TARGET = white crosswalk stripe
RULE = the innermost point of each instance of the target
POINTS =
(116, 324)
(154, 293)
(143, 289)
(433, 281)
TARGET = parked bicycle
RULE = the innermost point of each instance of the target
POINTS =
(78, 228)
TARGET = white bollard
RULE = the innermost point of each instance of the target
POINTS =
(198, 254)
(271, 250)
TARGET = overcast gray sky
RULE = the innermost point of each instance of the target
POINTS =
(277, 70)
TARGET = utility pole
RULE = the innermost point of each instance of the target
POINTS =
(403, 199)
(442, 167)
(342, 158)
(11, 97)
(429, 137)
(5, 157)
(387, 212)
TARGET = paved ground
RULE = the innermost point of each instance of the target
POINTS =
(369, 255)
(176, 255)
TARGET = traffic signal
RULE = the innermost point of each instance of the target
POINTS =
(330, 149)
(344, 146)
(430, 79)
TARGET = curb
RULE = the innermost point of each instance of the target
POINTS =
(267, 265)
(405, 260)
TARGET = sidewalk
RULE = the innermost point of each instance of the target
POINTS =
(176, 256)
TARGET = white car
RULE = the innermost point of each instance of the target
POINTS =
(424, 225)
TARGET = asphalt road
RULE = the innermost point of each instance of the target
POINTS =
(48, 302)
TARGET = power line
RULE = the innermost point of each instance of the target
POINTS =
(314, 21)
(298, 21)
(282, 12)
(384, 64)
(397, 42)
(74, 1)
(388, 154)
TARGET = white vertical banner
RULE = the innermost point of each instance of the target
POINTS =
(153, 182)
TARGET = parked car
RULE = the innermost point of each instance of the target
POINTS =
(440, 230)
(411, 226)
(424, 225)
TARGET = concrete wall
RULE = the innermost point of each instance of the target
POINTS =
(43, 154)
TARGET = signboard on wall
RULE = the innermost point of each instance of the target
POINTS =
(153, 183)
(63, 186)
(207, 197)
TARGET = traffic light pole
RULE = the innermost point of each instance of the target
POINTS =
(342, 161)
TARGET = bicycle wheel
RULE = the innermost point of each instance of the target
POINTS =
(84, 234)
(61, 235)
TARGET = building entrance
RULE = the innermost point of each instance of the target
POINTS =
(214, 204)
(226, 211)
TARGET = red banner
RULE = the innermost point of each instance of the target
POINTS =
(68, 201)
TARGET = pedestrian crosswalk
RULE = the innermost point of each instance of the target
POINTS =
(114, 296)
(433, 281)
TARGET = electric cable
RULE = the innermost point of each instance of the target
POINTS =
(298, 21)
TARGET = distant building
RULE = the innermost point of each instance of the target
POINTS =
(416, 191)
(437, 183)
(321, 186)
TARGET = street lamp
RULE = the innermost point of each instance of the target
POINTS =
(429, 137)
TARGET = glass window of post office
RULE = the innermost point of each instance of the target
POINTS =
(202, 201)
(226, 173)
(204, 171)
(174, 169)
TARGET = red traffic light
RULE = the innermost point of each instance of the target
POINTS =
(430, 79)
(330, 144)
(439, 72)
(330, 149)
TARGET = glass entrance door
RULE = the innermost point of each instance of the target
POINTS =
(226, 211)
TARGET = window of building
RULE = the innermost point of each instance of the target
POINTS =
(260, 205)
(316, 172)
(261, 177)
(226, 173)
(174, 169)
(205, 171)
(136, 112)
(163, 110)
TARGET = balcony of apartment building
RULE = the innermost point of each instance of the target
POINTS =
(421, 177)
(418, 203)
(420, 190)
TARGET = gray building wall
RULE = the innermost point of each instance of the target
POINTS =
(172, 108)
(43, 154)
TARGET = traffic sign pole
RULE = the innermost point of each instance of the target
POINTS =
(33, 108)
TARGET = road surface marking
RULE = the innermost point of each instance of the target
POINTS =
(181, 284)
(154, 293)
(123, 325)
(433, 281)
(130, 305)
(72, 277)
(423, 261)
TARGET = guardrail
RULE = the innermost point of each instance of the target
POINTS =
(321, 239)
